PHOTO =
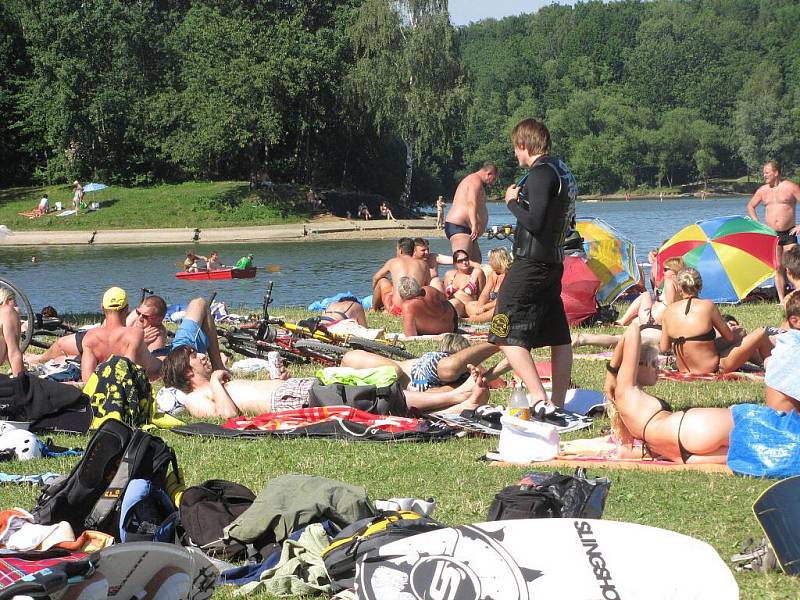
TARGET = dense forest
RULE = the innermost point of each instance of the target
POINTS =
(386, 96)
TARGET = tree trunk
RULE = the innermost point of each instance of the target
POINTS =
(405, 197)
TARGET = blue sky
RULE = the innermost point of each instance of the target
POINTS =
(464, 11)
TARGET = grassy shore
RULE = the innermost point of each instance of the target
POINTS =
(199, 204)
(712, 507)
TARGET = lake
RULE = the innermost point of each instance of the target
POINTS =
(72, 279)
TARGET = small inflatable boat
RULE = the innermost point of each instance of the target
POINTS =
(218, 274)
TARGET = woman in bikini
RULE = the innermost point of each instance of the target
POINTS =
(347, 307)
(699, 435)
(464, 283)
(648, 309)
(689, 329)
(482, 309)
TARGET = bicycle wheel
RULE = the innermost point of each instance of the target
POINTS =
(320, 351)
(27, 318)
(381, 348)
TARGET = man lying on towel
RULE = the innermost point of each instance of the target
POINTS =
(212, 393)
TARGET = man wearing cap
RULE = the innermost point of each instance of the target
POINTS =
(114, 338)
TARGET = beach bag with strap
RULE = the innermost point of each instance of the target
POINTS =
(355, 540)
(207, 509)
(119, 389)
(546, 495)
(90, 497)
(389, 400)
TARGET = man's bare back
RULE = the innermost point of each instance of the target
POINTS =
(467, 218)
(429, 314)
(407, 266)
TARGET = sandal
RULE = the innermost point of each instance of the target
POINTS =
(759, 558)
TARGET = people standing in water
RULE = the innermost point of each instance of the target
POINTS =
(529, 312)
(440, 213)
(467, 218)
(779, 197)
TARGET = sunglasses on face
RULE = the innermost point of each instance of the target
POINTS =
(462, 260)
(141, 315)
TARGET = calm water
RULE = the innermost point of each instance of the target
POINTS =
(73, 278)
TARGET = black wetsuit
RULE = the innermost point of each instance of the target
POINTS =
(529, 311)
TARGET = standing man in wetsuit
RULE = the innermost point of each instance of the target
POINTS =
(467, 218)
(779, 197)
(530, 313)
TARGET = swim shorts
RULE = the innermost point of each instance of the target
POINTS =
(450, 229)
(784, 239)
(425, 371)
(388, 304)
(79, 335)
(190, 334)
(530, 312)
(291, 394)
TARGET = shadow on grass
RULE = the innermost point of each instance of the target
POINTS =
(16, 194)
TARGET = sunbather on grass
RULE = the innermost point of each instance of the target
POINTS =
(433, 370)
(699, 435)
(690, 326)
(212, 393)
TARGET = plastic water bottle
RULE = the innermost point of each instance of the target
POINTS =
(518, 404)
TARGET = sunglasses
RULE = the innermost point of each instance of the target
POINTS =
(667, 269)
(462, 260)
(141, 315)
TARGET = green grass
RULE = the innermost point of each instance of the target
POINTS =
(196, 204)
(711, 507)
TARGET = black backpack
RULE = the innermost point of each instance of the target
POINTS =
(207, 509)
(545, 495)
(355, 540)
(90, 497)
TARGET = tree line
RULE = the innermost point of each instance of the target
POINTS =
(387, 96)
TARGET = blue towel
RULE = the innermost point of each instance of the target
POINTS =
(783, 365)
(323, 304)
(764, 442)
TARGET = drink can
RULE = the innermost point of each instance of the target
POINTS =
(274, 364)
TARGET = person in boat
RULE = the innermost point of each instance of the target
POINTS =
(246, 262)
(211, 393)
(212, 262)
(482, 309)
(464, 283)
(10, 328)
(403, 264)
(690, 326)
(149, 316)
(443, 368)
(190, 263)
(347, 307)
(425, 310)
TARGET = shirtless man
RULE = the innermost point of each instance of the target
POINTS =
(149, 316)
(467, 218)
(402, 265)
(212, 262)
(422, 250)
(114, 338)
(211, 393)
(9, 332)
(779, 197)
(426, 310)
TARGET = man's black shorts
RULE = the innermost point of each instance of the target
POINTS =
(529, 311)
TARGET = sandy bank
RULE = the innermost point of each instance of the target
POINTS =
(326, 228)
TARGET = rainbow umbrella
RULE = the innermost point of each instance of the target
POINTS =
(733, 255)
(610, 256)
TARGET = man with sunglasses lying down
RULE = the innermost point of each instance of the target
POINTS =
(148, 316)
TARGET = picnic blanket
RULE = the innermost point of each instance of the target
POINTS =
(670, 375)
(325, 422)
(573, 462)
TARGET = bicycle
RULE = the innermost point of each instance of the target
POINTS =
(300, 342)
